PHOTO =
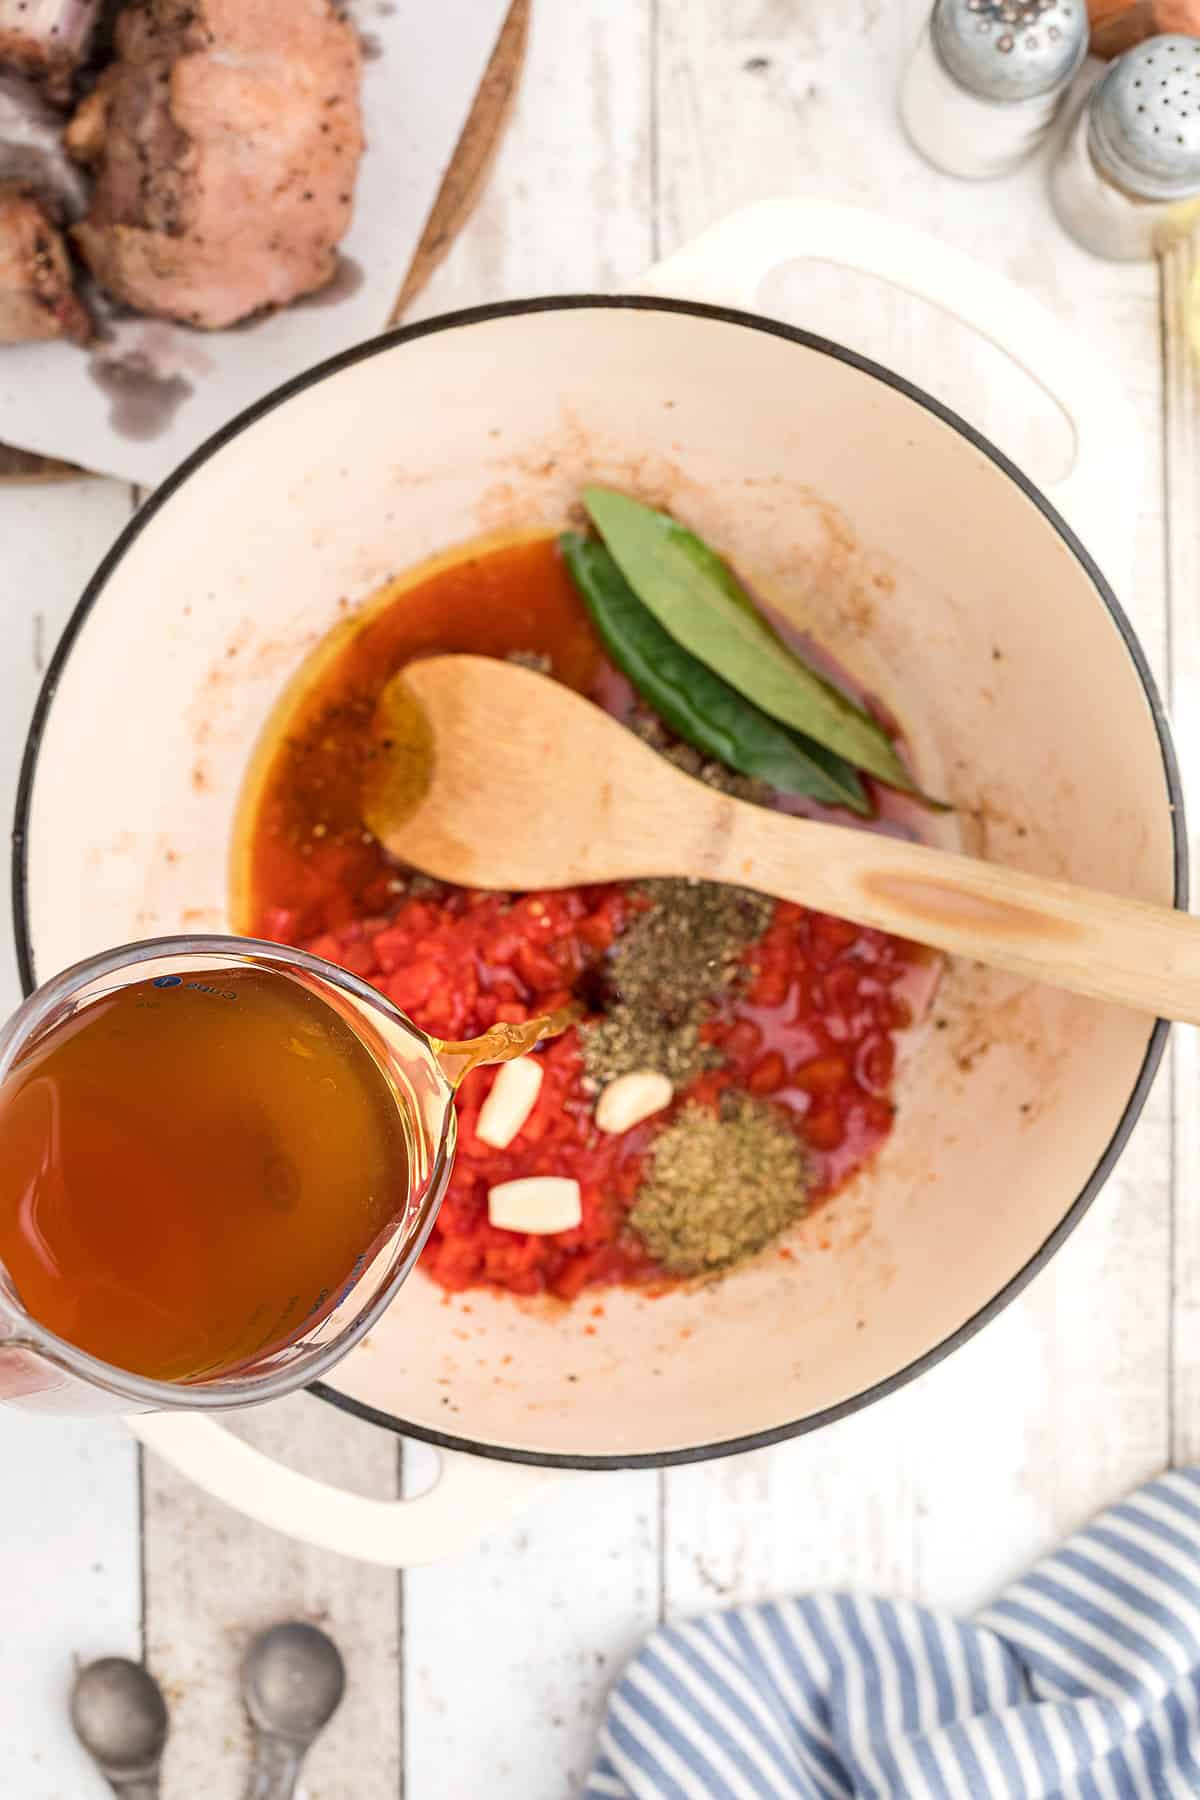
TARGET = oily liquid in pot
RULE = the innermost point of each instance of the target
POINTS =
(193, 1167)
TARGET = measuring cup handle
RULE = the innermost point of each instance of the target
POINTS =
(471, 1497)
(728, 263)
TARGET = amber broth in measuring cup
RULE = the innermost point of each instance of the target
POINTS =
(195, 1167)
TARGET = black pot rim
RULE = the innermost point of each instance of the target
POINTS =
(823, 346)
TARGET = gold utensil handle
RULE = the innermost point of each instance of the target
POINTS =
(502, 1042)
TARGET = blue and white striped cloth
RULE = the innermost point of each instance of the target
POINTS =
(1082, 1680)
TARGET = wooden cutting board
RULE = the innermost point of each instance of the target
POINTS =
(462, 184)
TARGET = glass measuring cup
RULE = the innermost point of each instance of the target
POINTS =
(41, 1370)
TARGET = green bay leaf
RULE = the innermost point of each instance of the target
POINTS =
(697, 599)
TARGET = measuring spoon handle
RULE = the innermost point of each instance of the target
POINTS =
(276, 1768)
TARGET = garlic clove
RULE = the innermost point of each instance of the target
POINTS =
(541, 1204)
(511, 1099)
(629, 1099)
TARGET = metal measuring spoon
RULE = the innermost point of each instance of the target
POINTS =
(293, 1679)
(120, 1718)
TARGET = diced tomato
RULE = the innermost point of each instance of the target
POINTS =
(875, 1063)
(598, 932)
(771, 985)
(412, 984)
(742, 1039)
(824, 1075)
(768, 1075)
(359, 959)
(841, 985)
(833, 1030)
(823, 1128)
(829, 936)
(539, 972)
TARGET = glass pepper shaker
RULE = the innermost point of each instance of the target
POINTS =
(987, 78)
(1128, 174)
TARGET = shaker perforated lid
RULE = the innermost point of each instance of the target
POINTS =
(1010, 49)
(1145, 119)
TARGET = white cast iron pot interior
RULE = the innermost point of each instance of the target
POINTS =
(912, 553)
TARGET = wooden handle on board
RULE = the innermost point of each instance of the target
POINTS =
(1143, 956)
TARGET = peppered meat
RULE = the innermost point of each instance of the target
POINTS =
(31, 150)
(46, 40)
(225, 142)
(37, 292)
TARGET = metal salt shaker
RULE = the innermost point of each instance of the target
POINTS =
(987, 79)
(1128, 175)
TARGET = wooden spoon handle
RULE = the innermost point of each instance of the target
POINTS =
(1143, 956)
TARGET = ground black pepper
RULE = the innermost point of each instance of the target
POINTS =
(649, 727)
(537, 660)
(673, 961)
(667, 969)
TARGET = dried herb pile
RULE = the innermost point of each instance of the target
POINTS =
(720, 1185)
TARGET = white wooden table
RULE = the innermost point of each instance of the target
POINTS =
(640, 122)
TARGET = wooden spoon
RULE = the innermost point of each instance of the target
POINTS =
(524, 784)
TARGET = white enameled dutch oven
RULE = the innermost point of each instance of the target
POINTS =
(926, 562)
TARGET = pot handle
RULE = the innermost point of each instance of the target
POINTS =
(473, 1495)
(727, 264)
